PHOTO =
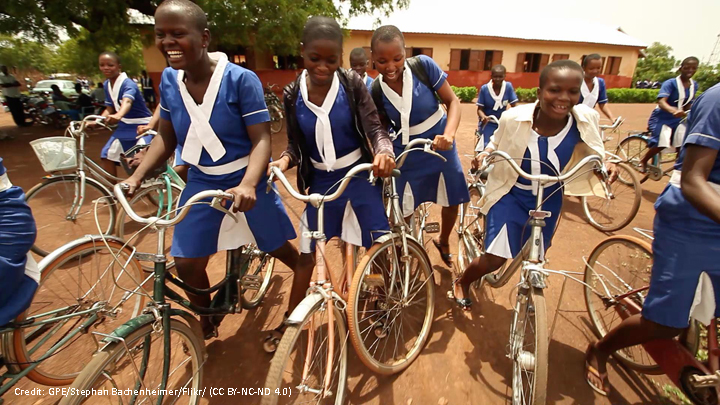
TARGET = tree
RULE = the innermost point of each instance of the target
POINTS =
(657, 65)
(80, 54)
(26, 55)
(707, 76)
(267, 24)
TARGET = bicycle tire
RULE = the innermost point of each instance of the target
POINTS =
(114, 351)
(631, 150)
(626, 178)
(59, 232)
(145, 203)
(15, 345)
(535, 303)
(266, 265)
(644, 252)
(276, 119)
(360, 285)
(471, 239)
(290, 338)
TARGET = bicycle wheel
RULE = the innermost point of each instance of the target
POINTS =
(616, 266)
(139, 366)
(303, 343)
(389, 328)
(146, 203)
(632, 150)
(614, 213)
(259, 271)
(472, 223)
(82, 277)
(51, 202)
(529, 348)
(276, 119)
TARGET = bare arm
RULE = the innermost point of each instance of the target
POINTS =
(452, 103)
(161, 147)
(606, 111)
(481, 114)
(246, 192)
(663, 104)
(696, 169)
(153, 124)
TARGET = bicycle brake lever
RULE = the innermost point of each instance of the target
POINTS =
(428, 148)
(270, 182)
(217, 204)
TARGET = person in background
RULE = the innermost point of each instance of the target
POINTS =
(359, 63)
(593, 91)
(148, 89)
(11, 94)
(83, 100)
(98, 93)
(685, 278)
(63, 104)
(494, 98)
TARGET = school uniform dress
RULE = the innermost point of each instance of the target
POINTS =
(19, 274)
(125, 134)
(665, 128)
(216, 146)
(358, 216)
(493, 105)
(506, 221)
(685, 280)
(598, 94)
(424, 178)
(368, 81)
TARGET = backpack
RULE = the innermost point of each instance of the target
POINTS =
(418, 70)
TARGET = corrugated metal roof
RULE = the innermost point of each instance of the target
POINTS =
(456, 21)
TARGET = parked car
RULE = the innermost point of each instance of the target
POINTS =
(66, 86)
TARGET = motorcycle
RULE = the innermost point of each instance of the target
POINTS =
(43, 112)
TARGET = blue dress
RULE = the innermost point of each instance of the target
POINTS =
(426, 178)
(507, 229)
(368, 82)
(239, 104)
(358, 216)
(487, 103)
(686, 247)
(125, 134)
(662, 124)
(602, 94)
(19, 275)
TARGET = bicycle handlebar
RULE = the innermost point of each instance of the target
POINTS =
(217, 195)
(79, 126)
(618, 121)
(544, 178)
(426, 144)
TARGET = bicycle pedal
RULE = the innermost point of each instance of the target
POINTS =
(432, 227)
(249, 282)
(655, 173)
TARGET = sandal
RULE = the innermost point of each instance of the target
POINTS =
(215, 321)
(590, 370)
(446, 257)
(464, 303)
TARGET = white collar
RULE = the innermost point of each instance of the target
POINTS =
(401, 103)
(590, 97)
(323, 128)
(498, 98)
(200, 133)
(681, 92)
(115, 90)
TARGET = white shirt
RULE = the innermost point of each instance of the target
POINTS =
(9, 91)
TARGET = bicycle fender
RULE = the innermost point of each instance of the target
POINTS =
(124, 330)
(393, 235)
(73, 244)
(306, 305)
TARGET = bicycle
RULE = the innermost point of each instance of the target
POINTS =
(528, 342)
(633, 149)
(310, 363)
(275, 108)
(61, 200)
(619, 268)
(138, 354)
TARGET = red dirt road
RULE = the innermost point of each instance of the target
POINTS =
(464, 361)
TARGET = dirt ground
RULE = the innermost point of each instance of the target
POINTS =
(464, 361)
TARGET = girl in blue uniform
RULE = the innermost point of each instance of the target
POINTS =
(216, 110)
(415, 111)
(685, 279)
(332, 122)
(125, 106)
(593, 91)
(359, 63)
(19, 274)
(493, 99)
(548, 137)
(674, 101)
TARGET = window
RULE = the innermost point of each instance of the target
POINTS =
(560, 56)
(418, 51)
(290, 62)
(613, 65)
(474, 60)
(465, 59)
(531, 62)
(488, 62)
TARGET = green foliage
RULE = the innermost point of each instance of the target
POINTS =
(707, 76)
(26, 55)
(80, 54)
(632, 95)
(465, 94)
(657, 65)
(526, 95)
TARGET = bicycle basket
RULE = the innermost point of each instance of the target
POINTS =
(56, 153)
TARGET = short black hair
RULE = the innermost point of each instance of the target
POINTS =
(112, 55)
(690, 59)
(190, 9)
(559, 65)
(358, 53)
(588, 58)
(387, 33)
(498, 68)
(320, 27)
